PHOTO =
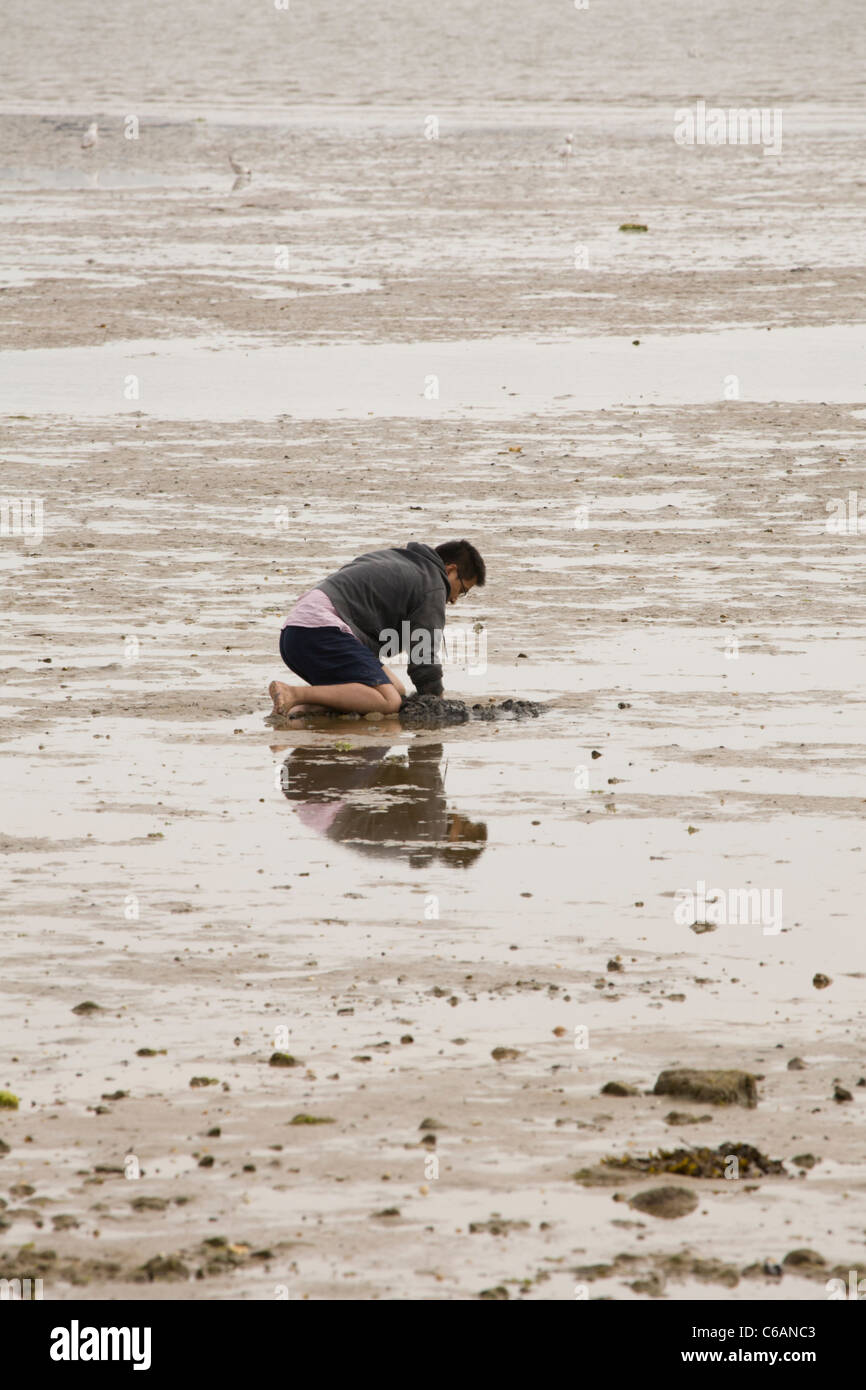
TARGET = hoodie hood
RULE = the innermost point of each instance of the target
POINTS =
(425, 553)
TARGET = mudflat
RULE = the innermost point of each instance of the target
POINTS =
(327, 1011)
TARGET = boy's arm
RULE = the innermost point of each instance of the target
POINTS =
(426, 624)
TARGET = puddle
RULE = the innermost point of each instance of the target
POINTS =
(382, 802)
(495, 379)
(105, 179)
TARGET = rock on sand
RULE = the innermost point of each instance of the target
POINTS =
(715, 1087)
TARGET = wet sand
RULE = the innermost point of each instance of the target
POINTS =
(387, 906)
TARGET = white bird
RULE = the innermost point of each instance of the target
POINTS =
(567, 151)
(243, 173)
(90, 138)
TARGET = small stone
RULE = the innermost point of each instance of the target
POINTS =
(167, 1267)
(805, 1160)
(821, 981)
(497, 1226)
(717, 1087)
(841, 1095)
(88, 1007)
(796, 1064)
(652, 1283)
(619, 1088)
(804, 1259)
(668, 1203)
(504, 1054)
(149, 1203)
(283, 1059)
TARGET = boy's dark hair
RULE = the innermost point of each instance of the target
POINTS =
(464, 555)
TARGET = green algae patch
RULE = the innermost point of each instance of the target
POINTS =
(311, 1120)
(283, 1059)
(8, 1101)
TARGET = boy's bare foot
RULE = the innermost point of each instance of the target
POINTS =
(283, 696)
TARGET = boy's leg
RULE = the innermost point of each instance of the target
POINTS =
(353, 698)
(343, 675)
(395, 680)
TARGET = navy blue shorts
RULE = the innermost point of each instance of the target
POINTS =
(327, 656)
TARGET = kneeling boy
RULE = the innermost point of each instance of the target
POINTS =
(334, 634)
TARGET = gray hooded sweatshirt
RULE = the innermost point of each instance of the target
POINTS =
(399, 591)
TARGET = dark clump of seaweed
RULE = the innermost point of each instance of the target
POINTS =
(435, 711)
(702, 1162)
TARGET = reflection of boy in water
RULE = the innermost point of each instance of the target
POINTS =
(380, 805)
